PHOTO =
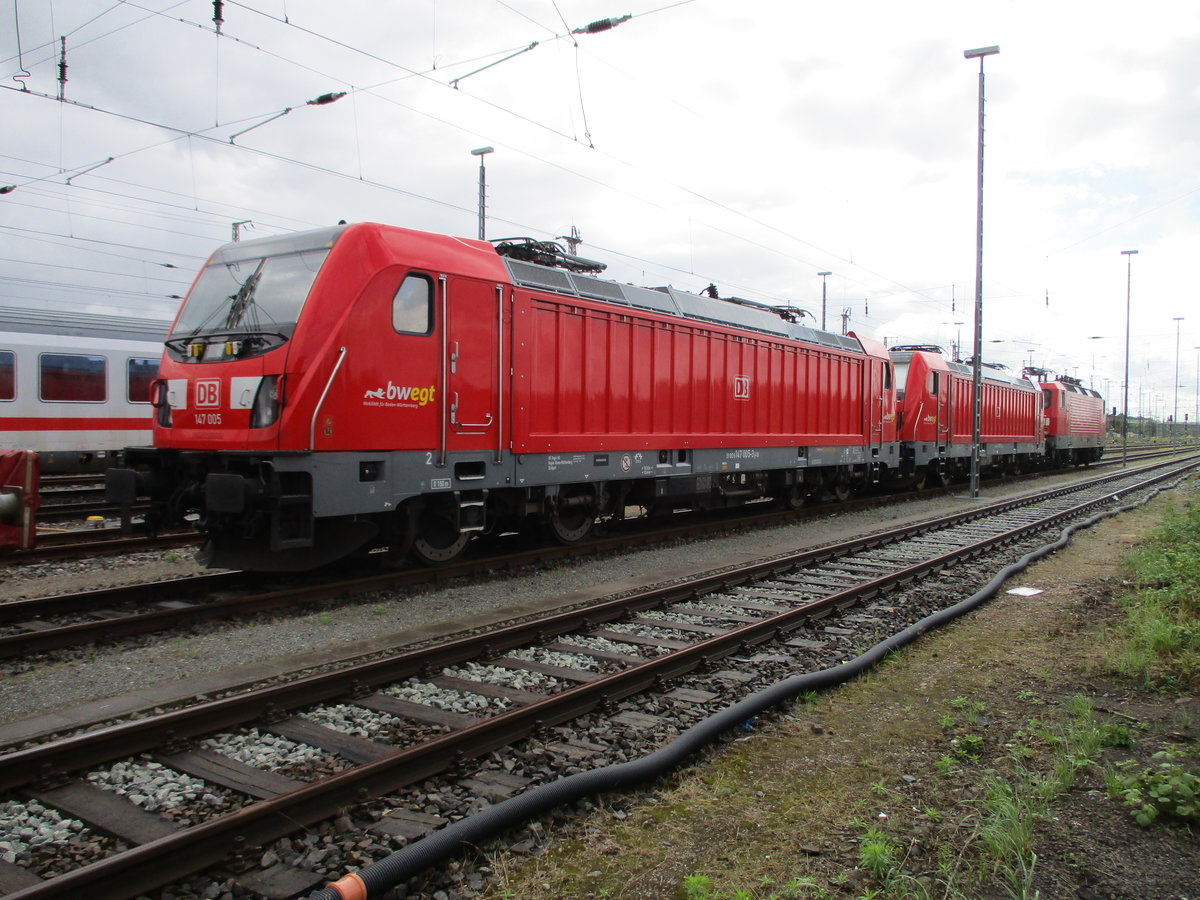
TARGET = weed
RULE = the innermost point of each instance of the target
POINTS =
(1167, 790)
(945, 765)
(697, 887)
(879, 789)
(877, 853)
(969, 746)
(808, 699)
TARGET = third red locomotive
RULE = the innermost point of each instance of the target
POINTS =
(366, 387)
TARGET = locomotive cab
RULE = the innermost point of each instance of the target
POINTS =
(923, 404)
(1075, 421)
(305, 376)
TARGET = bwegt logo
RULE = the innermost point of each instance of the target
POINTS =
(403, 393)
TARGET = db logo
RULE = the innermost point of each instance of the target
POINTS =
(208, 394)
(741, 387)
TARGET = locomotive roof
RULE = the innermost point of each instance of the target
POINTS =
(673, 302)
(277, 244)
(94, 325)
(1067, 387)
(989, 374)
(665, 300)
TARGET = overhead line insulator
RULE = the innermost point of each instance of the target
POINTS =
(602, 25)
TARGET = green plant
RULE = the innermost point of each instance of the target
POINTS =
(969, 746)
(877, 854)
(697, 887)
(792, 890)
(945, 765)
(1167, 790)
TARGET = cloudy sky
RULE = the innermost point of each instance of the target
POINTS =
(751, 144)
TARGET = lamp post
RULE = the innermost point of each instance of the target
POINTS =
(1197, 349)
(976, 367)
(1129, 255)
(823, 276)
(1175, 412)
(481, 153)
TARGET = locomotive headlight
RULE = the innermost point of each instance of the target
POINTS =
(267, 402)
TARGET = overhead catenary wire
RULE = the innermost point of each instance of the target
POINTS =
(409, 72)
(412, 72)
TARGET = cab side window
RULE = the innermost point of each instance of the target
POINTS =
(412, 306)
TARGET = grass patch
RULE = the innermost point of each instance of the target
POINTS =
(1159, 641)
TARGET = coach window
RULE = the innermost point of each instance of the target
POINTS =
(67, 378)
(140, 375)
(412, 307)
(8, 375)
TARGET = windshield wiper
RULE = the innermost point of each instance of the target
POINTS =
(241, 302)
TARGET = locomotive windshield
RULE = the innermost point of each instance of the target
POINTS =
(257, 297)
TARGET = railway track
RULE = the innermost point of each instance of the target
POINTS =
(55, 622)
(60, 543)
(384, 724)
(64, 621)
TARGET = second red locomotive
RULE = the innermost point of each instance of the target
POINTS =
(367, 386)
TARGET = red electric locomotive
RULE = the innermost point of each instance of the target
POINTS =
(936, 412)
(1075, 419)
(366, 386)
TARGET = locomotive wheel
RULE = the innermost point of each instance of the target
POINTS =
(794, 496)
(573, 515)
(840, 488)
(938, 475)
(437, 542)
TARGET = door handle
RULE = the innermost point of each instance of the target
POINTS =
(454, 417)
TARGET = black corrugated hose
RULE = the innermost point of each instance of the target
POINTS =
(373, 880)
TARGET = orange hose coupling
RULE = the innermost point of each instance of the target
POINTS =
(350, 887)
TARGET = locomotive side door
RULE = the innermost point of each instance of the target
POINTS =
(875, 404)
(940, 388)
(472, 356)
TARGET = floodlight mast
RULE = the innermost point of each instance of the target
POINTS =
(1129, 255)
(977, 363)
(481, 153)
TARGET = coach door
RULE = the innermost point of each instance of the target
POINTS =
(472, 357)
